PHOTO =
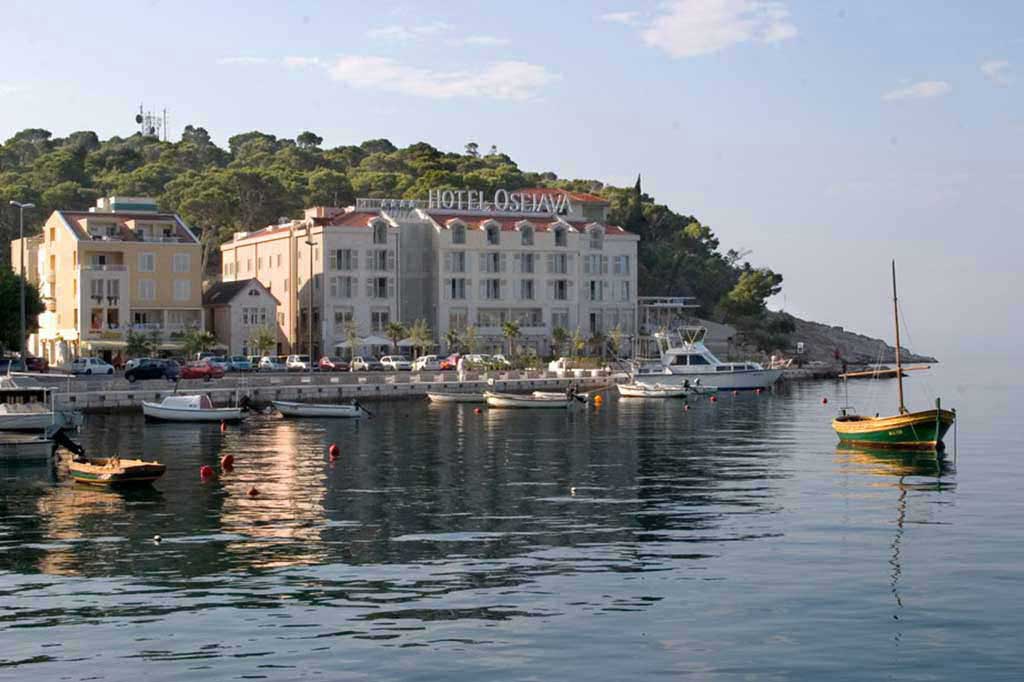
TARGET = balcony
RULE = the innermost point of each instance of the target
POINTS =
(92, 267)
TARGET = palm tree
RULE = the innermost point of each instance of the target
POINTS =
(469, 339)
(559, 335)
(453, 340)
(396, 332)
(352, 337)
(615, 340)
(263, 340)
(576, 342)
(421, 335)
(195, 342)
(597, 343)
(511, 331)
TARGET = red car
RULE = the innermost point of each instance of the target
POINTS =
(451, 362)
(37, 365)
(329, 364)
(202, 369)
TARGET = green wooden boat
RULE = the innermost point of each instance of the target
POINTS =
(922, 430)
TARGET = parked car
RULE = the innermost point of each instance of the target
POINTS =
(329, 364)
(361, 364)
(396, 363)
(476, 360)
(205, 354)
(41, 365)
(297, 363)
(12, 365)
(148, 368)
(426, 363)
(254, 361)
(500, 361)
(451, 362)
(90, 366)
(135, 362)
(239, 363)
(202, 369)
(271, 363)
(219, 360)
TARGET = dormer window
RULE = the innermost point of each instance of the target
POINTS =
(526, 232)
(493, 233)
(560, 236)
(380, 231)
(458, 232)
(596, 237)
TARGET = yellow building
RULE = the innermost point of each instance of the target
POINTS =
(120, 266)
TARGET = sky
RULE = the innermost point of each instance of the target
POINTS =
(826, 138)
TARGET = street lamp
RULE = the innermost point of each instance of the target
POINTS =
(21, 247)
(309, 319)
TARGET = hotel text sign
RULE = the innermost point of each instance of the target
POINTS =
(503, 200)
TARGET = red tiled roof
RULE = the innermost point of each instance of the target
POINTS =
(354, 218)
(582, 197)
(475, 222)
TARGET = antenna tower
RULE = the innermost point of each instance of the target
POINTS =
(152, 124)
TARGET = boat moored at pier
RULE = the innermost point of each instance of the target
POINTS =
(190, 408)
(27, 405)
(685, 360)
(293, 409)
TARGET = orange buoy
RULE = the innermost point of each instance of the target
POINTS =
(714, 399)
(598, 400)
(477, 410)
(227, 462)
(333, 451)
(205, 472)
(253, 492)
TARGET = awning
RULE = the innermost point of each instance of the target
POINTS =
(101, 345)
(343, 344)
(376, 341)
(406, 343)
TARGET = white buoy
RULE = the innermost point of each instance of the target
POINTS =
(157, 538)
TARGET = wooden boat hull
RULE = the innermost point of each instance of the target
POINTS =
(456, 397)
(506, 400)
(292, 409)
(922, 430)
(651, 391)
(176, 414)
(113, 471)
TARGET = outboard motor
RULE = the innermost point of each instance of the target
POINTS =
(61, 439)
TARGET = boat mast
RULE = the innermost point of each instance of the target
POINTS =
(896, 317)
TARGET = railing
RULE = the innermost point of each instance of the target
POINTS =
(166, 240)
(96, 267)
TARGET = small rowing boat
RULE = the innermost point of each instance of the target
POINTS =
(652, 391)
(189, 408)
(506, 400)
(114, 471)
(292, 409)
(456, 397)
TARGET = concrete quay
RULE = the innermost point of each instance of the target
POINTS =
(100, 394)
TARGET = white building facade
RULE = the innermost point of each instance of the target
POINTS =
(543, 258)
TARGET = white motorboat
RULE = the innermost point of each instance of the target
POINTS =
(292, 409)
(24, 448)
(189, 408)
(559, 395)
(529, 401)
(686, 360)
(456, 397)
(652, 391)
(27, 405)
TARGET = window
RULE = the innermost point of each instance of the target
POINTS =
(595, 265)
(530, 317)
(98, 259)
(379, 320)
(526, 262)
(341, 287)
(96, 288)
(113, 290)
(456, 261)
(458, 318)
(490, 289)
(147, 289)
(278, 260)
(380, 232)
(596, 289)
(457, 289)
(491, 318)
(182, 262)
(560, 236)
(344, 259)
(316, 282)
(620, 265)
(527, 234)
(53, 234)
(342, 316)
(493, 235)
(458, 233)
(492, 262)
(596, 238)
(382, 260)
(379, 287)
(526, 289)
(559, 289)
(558, 264)
(560, 318)
(248, 264)
(280, 319)
(182, 289)
(147, 262)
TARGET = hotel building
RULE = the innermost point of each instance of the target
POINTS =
(120, 266)
(544, 258)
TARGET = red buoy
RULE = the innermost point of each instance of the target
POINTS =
(757, 392)
(205, 472)
(686, 408)
(333, 452)
(714, 399)
(824, 401)
(253, 492)
(477, 410)
(227, 462)
(223, 426)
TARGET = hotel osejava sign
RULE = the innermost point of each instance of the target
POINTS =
(503, 200)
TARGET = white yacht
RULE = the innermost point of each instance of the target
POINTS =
(27, 405)
(686, 360)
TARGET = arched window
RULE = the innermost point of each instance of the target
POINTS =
(560, 235)
(526, 232)
(493, 232)
(596, 236)
(458, 232)
(380, 231)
